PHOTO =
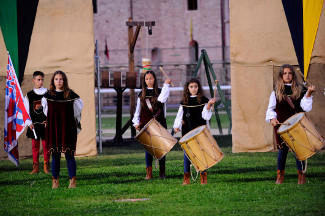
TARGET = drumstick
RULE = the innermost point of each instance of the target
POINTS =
(306, 79)
(162, 70)
(283, 123)
(215, 91)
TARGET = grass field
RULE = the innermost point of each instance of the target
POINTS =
(241, 184)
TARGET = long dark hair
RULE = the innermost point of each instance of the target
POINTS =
(65, 87)
(155, 91)
(187, 94)
(296, 87)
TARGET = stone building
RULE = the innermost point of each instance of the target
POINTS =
(176, 22)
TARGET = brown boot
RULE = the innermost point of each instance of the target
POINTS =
(162, 174)
(35, 168)
(187, 179)
(301, 177)
(204, 178)
(149, 173)
(72, 183)
(55, 183)
(280, 177)
(46, 167)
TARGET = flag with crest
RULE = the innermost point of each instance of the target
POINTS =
(15, 114)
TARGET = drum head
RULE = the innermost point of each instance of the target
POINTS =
(192, 133)
(292, 121)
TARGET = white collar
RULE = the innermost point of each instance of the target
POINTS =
(193, 96)
(40, 91)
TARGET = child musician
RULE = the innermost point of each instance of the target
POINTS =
(288, 98)
(151, 104)
(195, 110)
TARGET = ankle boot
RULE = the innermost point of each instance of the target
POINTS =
(46, 167)
(280, 177)
(35, 168)
(301, 177)
(204, 178)
(55, 183)
(162, 174)
(149, 173)
(187, 179)
(72, 183)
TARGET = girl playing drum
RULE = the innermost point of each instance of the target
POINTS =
(150, 104)
(195, 110)
(288, 98)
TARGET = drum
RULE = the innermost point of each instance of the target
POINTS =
(156, 139)
(301, 136)
(201, 148)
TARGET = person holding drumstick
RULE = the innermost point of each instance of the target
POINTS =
(150, 104)
(288, 98)
(195, 110)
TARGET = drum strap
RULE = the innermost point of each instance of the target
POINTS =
(188, 117)
(288, 99)
(149, 105)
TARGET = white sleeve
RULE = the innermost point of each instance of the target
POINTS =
(136, 117)
(306, 103)
(164, 94)
(44, 105)
(207, 114)
(270, 112)
(179, 118)
(77, 108)
(26, 103)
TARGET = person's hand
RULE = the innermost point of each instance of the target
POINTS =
(274, 122)
(168, 81)
(31, 126)
(210, 103)
(310, 91)
(137, 127)
(177, 130)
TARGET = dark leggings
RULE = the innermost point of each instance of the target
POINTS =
(71, 164)
(187, 165)
(149, 159)
(282, 158)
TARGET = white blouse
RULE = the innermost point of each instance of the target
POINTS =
(40, 91)
(162, 98)
(77, 107)
(305, 103)
(206, 115)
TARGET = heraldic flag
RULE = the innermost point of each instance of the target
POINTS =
(15, 114)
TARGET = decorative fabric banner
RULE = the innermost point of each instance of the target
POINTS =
(294, 14)
(15, 114)
(311, 15)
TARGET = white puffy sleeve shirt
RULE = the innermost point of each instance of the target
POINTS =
(162, 98)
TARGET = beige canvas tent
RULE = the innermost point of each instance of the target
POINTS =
(62, 39)
(260, 42)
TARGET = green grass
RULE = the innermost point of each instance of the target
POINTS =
(241, 184)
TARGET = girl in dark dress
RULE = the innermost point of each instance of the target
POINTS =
(63, 107)
(195, 110)
(279, 110)
(143, 114)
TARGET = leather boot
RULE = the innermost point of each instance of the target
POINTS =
(301, 177)
(55, 183)
(46, 167)
(72, 183)
(35, 168)
(204, 178)
(187, 179)
(162, 174)
(149, 173)
(280, 177)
